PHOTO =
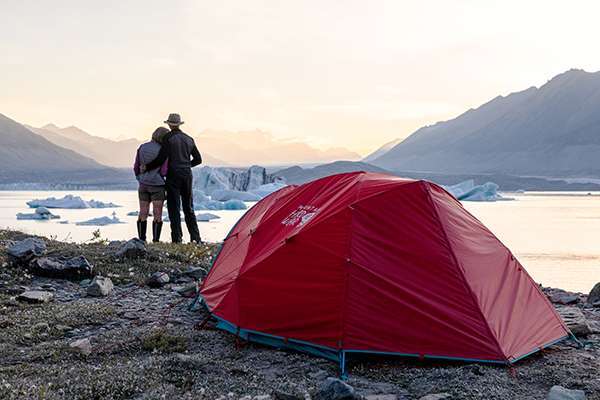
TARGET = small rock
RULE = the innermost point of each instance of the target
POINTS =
(100, 287)
(594, 296)
(24, 251)
(561, 393)
(278, 395)
(436, 396)
(187, 290)
(158, 279)
(195, 272)
(564, 298)
(133, 248)
(335, 389)
(84, 346)
(575, 320)
(381, 397)
(85, 282)
(41, 326)
(35, 296)
(72, 268)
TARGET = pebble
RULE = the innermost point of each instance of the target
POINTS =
(84, 346)
(335, 389)
(100, 287)
(436, 396)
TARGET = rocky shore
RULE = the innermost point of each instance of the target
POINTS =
(111, 320)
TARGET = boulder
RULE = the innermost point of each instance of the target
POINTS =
(158, 279)
(83, 346)
(35, 296)
(22, 252)
(133, 248)
(100, 287)
(335, 389)
(71, 268)
(561, 393)
(575, 320)
(562, 297)
(195, 272)
(594, 296)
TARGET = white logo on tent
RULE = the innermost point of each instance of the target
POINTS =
(300, 216)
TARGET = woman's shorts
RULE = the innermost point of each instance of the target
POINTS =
(151, 194)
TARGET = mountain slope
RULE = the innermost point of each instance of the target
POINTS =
(553, 130)
(118, 154)
(381, 151)
(23, 153)
(299, 175)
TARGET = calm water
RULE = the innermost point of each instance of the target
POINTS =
(555, 235)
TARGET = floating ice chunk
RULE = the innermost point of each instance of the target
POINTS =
(40, 214)
(267, 189)
(133, 213)
(101, 221)
(69, 201)
(227, 194)
(468, 191)
(234, 204)
(213, 205)
(205, 217)
(63, 222)
(199, 196)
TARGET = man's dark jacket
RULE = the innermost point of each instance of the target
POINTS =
(178, 147)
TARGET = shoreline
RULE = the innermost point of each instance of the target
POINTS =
(144, 342)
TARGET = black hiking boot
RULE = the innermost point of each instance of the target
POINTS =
(156, 228)
(142, 226)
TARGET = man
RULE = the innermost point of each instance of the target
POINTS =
(183, 155)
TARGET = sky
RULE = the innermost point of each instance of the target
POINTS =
(347, 73)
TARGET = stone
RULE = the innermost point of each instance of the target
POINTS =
(279, 395)
(561, 393)
(436, 396)
(133, 248)
(575, 320)
(62, 268)
(594, 296)
(195, 272)
(41, 326)
(22, 252)
(158, 279)
(564, 298)
(35, 296)
(335, 389)
(83, 346)
(189, 290)
(381, 397)
(100, 287)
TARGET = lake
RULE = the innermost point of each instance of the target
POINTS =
(556, 236)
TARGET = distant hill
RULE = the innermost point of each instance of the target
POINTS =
(113, 153)
(298, 175)
(257, 147)
(28, 157)
(553, 130)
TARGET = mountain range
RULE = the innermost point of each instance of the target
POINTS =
(26, 156)
(552, 131)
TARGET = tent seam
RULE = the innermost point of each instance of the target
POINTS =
(460, 270)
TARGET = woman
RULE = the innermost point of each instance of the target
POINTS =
(151, 185)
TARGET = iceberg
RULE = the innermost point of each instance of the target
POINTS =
(40, 214)
(69, 202)
(101, 221)
(228, 194)
(469, 191)
(267, 189)
(234, 204)
(205, 217)
(210, 179)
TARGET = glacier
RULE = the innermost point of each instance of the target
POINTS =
(69, 202)
(101, 221)
(469, 191)
(209, 179)
(205, 217)
(227, 194)
(40, 214)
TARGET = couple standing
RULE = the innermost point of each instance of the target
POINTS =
(165, 164)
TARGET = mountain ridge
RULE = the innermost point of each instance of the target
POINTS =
(553, 130)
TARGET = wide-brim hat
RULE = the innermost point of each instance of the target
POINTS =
(174, 119)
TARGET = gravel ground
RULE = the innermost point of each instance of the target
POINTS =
(145, 344)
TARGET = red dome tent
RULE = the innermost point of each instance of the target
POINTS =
(370, 263)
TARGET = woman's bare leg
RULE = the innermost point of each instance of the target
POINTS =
(157, 207)
(144, 210)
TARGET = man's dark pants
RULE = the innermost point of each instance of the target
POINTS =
(179, 197)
